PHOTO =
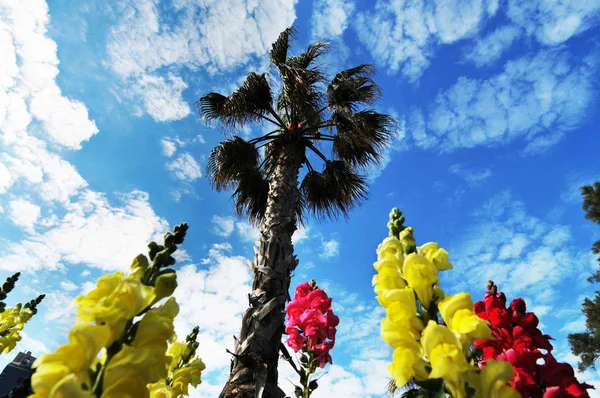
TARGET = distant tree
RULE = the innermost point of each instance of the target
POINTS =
(586, 345)
(264, 173)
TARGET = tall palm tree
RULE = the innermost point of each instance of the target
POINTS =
(307, 116)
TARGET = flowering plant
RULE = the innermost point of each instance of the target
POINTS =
(311, 327)
(518, 340)
(13, 319)
(432, 351)
(119, 319)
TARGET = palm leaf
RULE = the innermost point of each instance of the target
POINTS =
(229, 161)
(352, 87)
(250, 195)
(247, 104)
(362, 136)
(338, 189)
(280, 47)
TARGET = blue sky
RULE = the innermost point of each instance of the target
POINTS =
(102, 150)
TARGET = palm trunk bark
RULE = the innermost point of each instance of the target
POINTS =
(253, 370)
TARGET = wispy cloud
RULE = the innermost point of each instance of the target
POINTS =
(490, 48)
(522, 253)
(143, 43)
(401, 35)
(536, 99)
(331, 17)
(472, 176)
(185, 167)
(329, 249)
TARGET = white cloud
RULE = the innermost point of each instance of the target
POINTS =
(213, 35)
(85, 273)
(168, 147)
(553, 21)
(92, 232)
(5, 178)
(575, 326)
(472, 176)
(24, 214)
(523, 254)
(401, 34)
(330, 17)
(214, 298)
(185, 167)
(27, 87)
(329, 249)
(300, 234)
(537, 99)
(247, 232)
(490, 48)
(87, 287)
(67, 285)
(162, 96)
(223, 226)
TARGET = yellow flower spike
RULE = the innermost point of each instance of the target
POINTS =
(421, 275)
(161, 390)
(391, 249)
(115, 300)
(494, 378)
(449, 363)
(165, 285)
(407, 363)
(131, 370)
(435, 254)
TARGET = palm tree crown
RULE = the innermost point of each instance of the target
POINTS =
(305, 115)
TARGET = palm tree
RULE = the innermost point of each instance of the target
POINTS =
(264, 172)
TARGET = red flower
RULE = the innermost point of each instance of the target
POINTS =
(311, 324)
(518, 341)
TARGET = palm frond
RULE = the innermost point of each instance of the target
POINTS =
(352, 87)
(230, 160)
(250, 195)
(280, 47)
(249, 103)
(338, 189)
(301, 77)
(362, 136)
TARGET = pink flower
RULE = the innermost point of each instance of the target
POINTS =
(311, 324)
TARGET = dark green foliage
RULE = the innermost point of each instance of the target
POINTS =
(586, 345)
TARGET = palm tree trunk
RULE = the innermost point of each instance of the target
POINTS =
(254, 364)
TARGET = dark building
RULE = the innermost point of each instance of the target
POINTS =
(16, 372)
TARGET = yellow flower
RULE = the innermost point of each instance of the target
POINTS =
(395, 336)
(73, 358)
(165, 285)
(390, 249)
(388, 276)
(447, 359)
(115, 301)
(161, 390)
(402, 313)
(435, 254)
(493, 380)
(69, 387)
(176, 351)
(457, 311)
(407, 362)
(156, 327)
(421, 275)
(145, 361)
(190, 374)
